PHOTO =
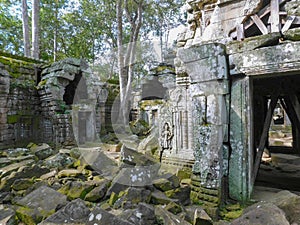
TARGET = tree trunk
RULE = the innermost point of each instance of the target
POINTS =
(35, 28)
(122, 71)
(55, 33)
(126, 56)
(25, 28)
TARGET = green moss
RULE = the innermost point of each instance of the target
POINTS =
(25, 215)
(17, 57)
(42, 83)
(194, 198)
(161, 68)
(143, 104)
(231, 215)
(11, 119)
(113, 81)
(113, 198)
(24, 84)
(232, 211)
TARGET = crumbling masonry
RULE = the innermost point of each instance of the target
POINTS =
(238, 59)
(235, 61)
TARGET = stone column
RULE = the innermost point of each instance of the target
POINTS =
(206, 66)
(240, 165)
(4, 91)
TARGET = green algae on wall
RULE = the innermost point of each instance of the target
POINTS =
(11, 119)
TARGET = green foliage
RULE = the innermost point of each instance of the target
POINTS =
(84, 28)
(10, 29)
(26, 84)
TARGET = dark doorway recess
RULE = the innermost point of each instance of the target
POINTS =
(276, 131)
(75, 90)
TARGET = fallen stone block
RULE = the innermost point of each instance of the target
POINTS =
(166, 217)
(143, 214)
(75, 212)
(99, 216)
(262, 213)
(76, 189)
(181, 193)
(42, 151)
(39, 204)
(7, 216)
(98, 192)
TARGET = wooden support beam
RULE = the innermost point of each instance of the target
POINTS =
(240, 32)
(259, 23)
(274, 17)
(264, 137)
(297, 20)
(288, 23)
(247, 22)
(291, 111)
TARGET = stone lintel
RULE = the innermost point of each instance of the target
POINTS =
(267, 60)
(204, 62)
(216, 87)
(252, 43)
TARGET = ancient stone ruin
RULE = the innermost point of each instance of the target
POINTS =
(241, 60)
(204, 129)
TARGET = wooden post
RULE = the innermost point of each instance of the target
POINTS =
(288, 23)
(259, 23)
(274, 17)
(264, 136)
(290, 110)
(240, 32)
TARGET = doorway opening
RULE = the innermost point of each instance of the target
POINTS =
(280, 131)
(276, 131)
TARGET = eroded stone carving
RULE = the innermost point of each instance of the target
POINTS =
(166, 139)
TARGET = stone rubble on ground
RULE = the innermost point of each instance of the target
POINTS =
(69, 187)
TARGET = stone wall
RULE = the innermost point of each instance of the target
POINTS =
(69, 95)
(37, 101)
(19, 102)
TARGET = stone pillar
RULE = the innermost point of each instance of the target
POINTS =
(84, 122)
(4, 91)
(240, 164)
(206, 66)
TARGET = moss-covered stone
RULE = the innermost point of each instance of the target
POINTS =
(11, 119)
(26, 215)
(183, 174)
(75, 153)
(98, 192)
(22, 184)
(194, 198)
(159, 198)
(252, 43)
(69, 173)
(75, 189)
(113, 198)
(38, 205)
(173, 208)
(232, 215)
(163, 184)
(292, 34)
(181, 193)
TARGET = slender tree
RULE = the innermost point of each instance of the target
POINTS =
(35, 28)
(25, 24)
(133, 10)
